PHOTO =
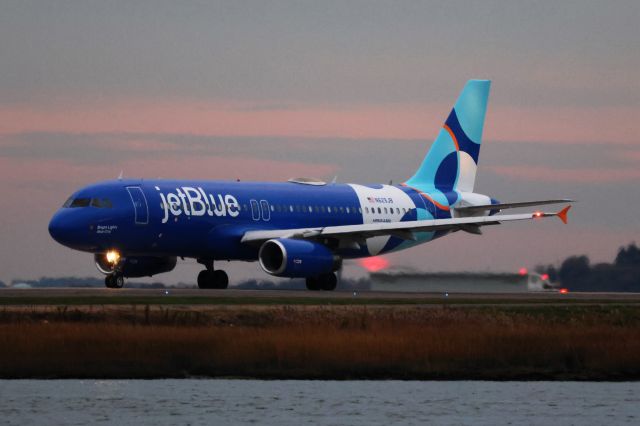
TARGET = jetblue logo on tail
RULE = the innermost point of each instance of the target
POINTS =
(195, 202)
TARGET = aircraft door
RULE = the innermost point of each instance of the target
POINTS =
(140, 206)
(264, 206)
(255, 210)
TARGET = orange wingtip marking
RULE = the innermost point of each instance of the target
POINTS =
(562, 214)
(455, 140)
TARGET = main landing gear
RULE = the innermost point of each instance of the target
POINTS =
(326, 282)
(210, 278)
(114, 281)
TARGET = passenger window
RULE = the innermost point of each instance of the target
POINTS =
(291, 208)
(379, 210)
(329, 209)
(310, 209)
(366, 209)
(360, 210)
(347, 209)
(385, 210)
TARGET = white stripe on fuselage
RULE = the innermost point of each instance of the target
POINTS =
(391, 198)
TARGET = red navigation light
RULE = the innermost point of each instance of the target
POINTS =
(523, 271)
(544, 276)
(564, 291)
(374, 264)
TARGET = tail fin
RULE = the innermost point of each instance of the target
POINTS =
(452, 161)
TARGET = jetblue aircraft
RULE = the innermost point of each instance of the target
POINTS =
(300, 228)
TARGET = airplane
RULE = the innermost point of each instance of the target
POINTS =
(302, 228)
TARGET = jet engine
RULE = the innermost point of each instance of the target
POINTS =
(285, 257)
(141, 266)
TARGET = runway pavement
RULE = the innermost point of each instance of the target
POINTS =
(10, 296)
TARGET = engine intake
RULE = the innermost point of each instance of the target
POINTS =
(141, 266)
(285, 257)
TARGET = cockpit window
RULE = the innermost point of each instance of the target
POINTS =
(80, 202)
(67, 203)
(103, 203)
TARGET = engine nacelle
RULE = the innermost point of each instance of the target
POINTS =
(142, 266)
(284, 257)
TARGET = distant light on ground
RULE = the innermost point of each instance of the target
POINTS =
(374, 264)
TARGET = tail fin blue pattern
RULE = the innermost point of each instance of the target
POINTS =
(452, 160)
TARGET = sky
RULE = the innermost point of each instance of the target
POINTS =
(355, 89)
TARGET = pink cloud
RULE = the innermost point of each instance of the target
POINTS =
(573, 125)
(548, 174)
(407, 121)
(222, 119)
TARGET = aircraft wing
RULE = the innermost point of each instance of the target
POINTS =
(404, 230)
(502, 206)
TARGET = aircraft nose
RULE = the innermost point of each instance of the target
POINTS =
(57, 228)
(66, 229)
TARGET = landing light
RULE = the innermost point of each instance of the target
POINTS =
(537, 214)
(564, 291)
(523, 271)
(113, 257)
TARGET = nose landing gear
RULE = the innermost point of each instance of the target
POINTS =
(114, 281)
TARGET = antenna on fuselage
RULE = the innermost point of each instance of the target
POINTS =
(120, 175)
(335, 179)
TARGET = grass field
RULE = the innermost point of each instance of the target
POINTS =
(583, 342)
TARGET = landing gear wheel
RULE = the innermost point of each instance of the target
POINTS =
(203, 279)
(220, 279)
(119, 281)
(313, 284)
(114, 281)
(213, 279)
(328, 282)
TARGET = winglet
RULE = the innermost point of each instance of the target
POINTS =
(562, 214)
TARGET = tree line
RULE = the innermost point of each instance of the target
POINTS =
(577, 273)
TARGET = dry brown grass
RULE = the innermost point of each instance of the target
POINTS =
(325, 342)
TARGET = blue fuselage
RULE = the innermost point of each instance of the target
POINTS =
(207, 219)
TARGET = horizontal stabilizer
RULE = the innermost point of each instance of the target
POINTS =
(502, 206)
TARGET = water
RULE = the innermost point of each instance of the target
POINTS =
(240, 402)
